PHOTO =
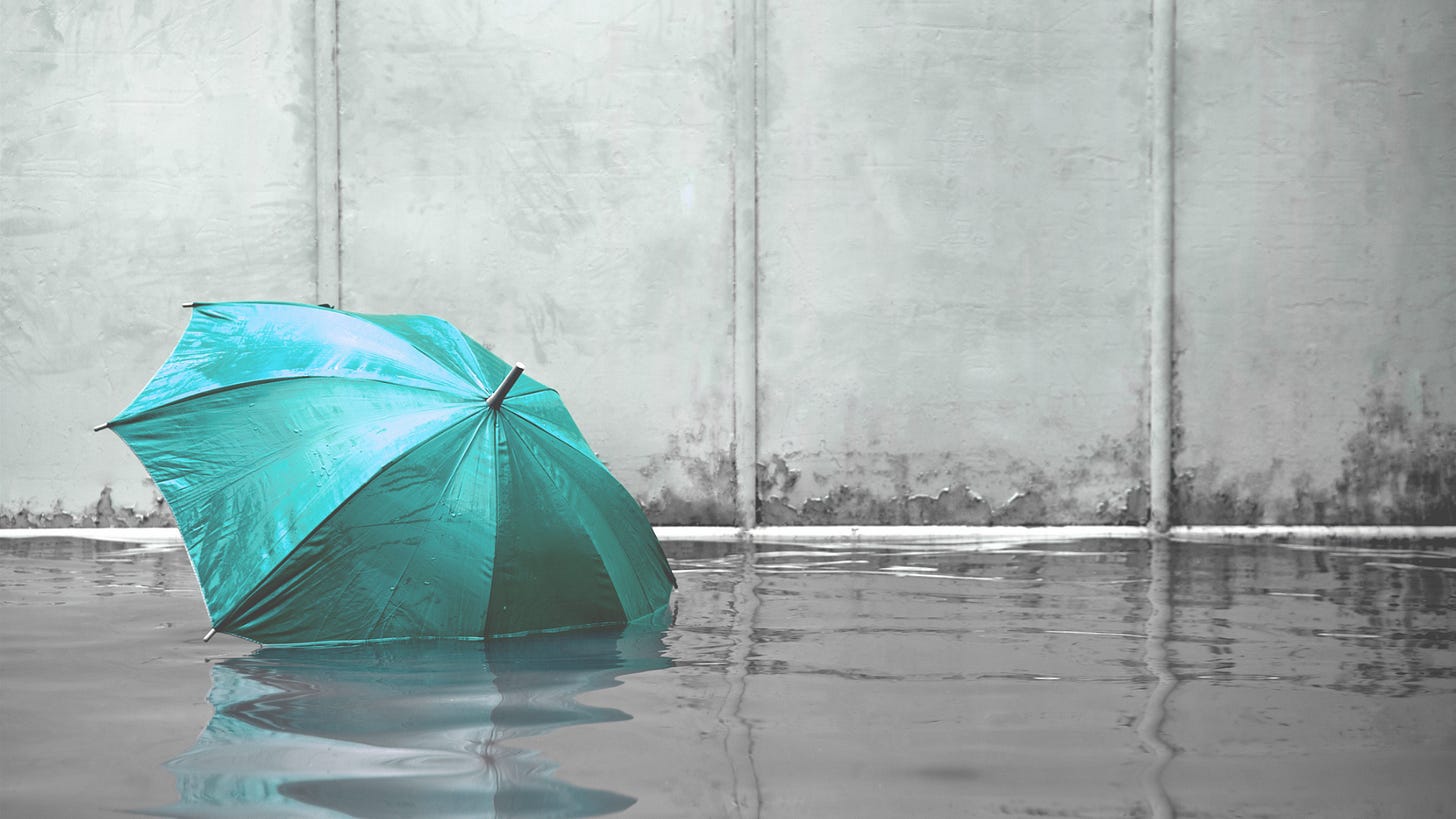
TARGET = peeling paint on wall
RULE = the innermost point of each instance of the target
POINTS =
(692, 490)
(101, 514)
(1103, 484)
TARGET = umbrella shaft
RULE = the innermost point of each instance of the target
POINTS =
(495, 399)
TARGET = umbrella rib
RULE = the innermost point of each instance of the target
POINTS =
(464, 451)
(360, 317)
(450, 481)
(495, 505)
(667, 570)
(581, 522)
(553, 433)
(417, 348)
(526, 392)
(273, 457)
(462, 348)
(149, 411)
(550, 477)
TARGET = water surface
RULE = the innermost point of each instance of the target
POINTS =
(1093, 679)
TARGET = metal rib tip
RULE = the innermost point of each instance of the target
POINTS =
(208, 635)
(189, 305)
(100, 427)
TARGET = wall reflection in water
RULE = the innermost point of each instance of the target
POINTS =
(417, 728)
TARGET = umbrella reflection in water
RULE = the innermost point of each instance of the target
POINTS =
(411, 728)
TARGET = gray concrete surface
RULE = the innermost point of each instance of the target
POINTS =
(954, 261)
(1316, 272)
(150, 155)
(934, 309)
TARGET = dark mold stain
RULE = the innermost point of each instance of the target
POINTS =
(102, 514)
(1226, 502)
(668, 508)
(708, 498)
(1398, 469)
(1401, 468)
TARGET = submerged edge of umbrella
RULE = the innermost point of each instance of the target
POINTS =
(341, 477)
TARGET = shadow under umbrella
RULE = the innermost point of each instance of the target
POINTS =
(411, 728)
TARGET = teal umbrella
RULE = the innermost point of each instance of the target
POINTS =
(339, 476)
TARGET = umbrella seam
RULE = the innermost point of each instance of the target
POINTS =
(471, 362)
(468, 343)
(365, 318)
(495, 515)
(465, 450)
(667, 570)
(253, 598)
(417, 348)
(533, 422)
(264, 463)
(524, 393)
(394, 589)
(493, 418)
(584, 527)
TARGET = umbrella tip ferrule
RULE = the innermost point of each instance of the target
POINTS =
(495, 399)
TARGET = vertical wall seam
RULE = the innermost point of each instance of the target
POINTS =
(328, 278)
(746, 70)
(1160, 312)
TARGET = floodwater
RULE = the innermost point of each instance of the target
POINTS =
(1089, 679)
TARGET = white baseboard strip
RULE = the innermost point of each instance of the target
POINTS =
(1308, 534)
(923, 535)
(140, 534)
(698, 533)
(909, 535)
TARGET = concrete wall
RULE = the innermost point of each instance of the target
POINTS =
(893, 260)
(954, 258)
(151, 154)
(1316, 262)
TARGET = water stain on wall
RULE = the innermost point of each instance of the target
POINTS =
(696, 490)
(1399, 468)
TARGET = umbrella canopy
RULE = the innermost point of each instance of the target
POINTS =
(339, 476)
